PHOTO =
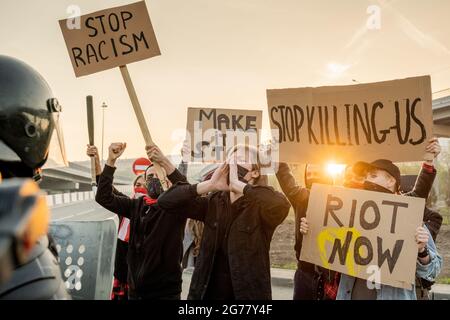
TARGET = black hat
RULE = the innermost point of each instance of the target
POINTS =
(381, 164)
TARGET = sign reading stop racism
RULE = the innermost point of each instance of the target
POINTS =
(140, 165)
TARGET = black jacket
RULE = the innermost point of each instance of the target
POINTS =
(120, 261)
(433, 221)
(259, 212)
(155, 244)
(422, 187)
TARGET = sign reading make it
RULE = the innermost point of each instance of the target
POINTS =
(113, 38)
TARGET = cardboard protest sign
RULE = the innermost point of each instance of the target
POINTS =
(364, 234)
(390, 120)
(212, 132)
(110, 38)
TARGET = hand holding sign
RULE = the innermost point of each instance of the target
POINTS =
(422, 237)
(432, 150)
(304, 226)
(155, 154)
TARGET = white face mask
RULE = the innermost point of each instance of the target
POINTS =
(380, 178)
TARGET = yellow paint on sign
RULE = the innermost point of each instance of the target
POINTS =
(328, 236)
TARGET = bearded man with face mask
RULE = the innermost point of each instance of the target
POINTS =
(155, 244)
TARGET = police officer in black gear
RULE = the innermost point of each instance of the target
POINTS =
(28, 116)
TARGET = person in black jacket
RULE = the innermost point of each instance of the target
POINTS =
(239, 218)
(156, 239)
(120, 284)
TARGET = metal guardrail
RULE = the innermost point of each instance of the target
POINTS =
(70, 197)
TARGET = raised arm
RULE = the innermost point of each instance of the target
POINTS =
(105, 195)
(427, 174)
(274, 204)
(182, 199)
(191, 201)
(296, 194)
(92, 151)
(156, 155)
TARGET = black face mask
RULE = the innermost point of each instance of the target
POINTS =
(154, 187)
(370, 186)
(242, 172)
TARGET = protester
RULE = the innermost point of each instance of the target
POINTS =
(422, 188)
(431, 218)
(155, 239)
(120, 284)
(313, 282)
(384, 176)
(240, 218)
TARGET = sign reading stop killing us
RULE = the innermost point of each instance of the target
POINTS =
(213, 132)
(110, 38)
(384, 120)
(364, 234)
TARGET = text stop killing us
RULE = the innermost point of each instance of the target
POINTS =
(348, 124)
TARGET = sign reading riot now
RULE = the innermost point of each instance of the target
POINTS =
(212, 132)
(384, 120)
(110, 38)
(364, 234)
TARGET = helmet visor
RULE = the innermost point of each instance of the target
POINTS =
(57, 150)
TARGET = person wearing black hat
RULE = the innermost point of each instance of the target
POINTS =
(384, 176)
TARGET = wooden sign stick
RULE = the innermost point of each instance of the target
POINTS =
(90, 119)
(141, 120)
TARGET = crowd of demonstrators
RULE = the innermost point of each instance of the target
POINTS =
(240, 213)
(155, 243)
(233, 215)
(223, 227)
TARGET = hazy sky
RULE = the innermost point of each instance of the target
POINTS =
(218, 53)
